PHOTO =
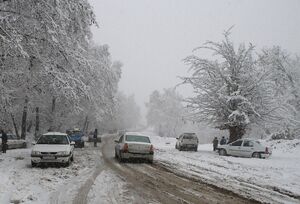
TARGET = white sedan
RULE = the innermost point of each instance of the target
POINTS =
(133, 145)
(245, 148)
(52, 147)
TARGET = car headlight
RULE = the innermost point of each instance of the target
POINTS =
(63, 153)
(35, 153)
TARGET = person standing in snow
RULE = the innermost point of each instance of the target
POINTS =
(95, 137)
(223, 141)
(4, 141)
(215, 143)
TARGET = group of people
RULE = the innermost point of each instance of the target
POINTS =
(4, 141)
(216, 142)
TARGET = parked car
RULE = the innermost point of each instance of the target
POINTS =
(52, 147)
(245, 148)
(133, 145)
(77, 136)
(13, 142)
(187, 141)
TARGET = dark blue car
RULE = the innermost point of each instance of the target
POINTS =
(77, 137)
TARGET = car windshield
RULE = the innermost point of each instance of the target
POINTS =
(137, 138)
(190, 137)
(53, 139)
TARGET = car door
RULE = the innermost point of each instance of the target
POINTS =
(247, 149)
(235, 148)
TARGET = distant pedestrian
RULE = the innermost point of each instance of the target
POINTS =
(95, 137)
(223, 141)
(215, 143)
(4, 141)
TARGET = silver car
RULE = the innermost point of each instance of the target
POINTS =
(245, 148)
(132, 145)
(187, 141)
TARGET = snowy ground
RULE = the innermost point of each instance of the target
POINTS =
(272, 180)
(108, 188)
(22, 184)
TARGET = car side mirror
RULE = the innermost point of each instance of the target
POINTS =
(116, 141)
(72, 143)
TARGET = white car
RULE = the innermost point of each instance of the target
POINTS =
(187, 141)
(133, 145)
(13, 142)
(245, 148)
(52, 147)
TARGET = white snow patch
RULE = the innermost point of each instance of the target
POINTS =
(108, 188)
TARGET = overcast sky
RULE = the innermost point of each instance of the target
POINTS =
(151, 37)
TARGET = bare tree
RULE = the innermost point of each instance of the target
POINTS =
(231, 91)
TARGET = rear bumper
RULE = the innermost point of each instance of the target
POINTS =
(189, 146)
(130, 155)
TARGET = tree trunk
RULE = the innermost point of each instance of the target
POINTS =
(52, 126)
(37, 123)
(85, 124)
(29, 126)
(87, 127)
(15, 125)
(236, 133)
(24, 120)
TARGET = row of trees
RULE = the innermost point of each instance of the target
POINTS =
(52, 75)
(238, 90)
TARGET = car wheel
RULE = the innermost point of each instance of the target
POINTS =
(67, 164)
(256, 155)
(33, 164)
(116, 155)
(150, 161)
(196, 149)
(222, 152)
(180, 148)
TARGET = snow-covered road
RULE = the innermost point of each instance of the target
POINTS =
(273, 180)
(175, 177)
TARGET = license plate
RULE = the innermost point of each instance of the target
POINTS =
(48, 158)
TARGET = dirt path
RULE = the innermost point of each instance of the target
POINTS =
(153, 184)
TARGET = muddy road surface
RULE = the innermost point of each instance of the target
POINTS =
(151, 183)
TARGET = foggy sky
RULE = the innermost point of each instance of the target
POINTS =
(151, 37)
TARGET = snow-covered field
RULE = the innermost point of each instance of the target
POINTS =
(272, 180)
(19, 183)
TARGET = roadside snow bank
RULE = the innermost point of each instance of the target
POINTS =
(273, 180)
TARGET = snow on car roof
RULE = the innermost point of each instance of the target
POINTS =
(55, 133)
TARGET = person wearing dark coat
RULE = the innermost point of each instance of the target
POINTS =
(223, 141)
(4, 141)
(215, 143)
(95, 137)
